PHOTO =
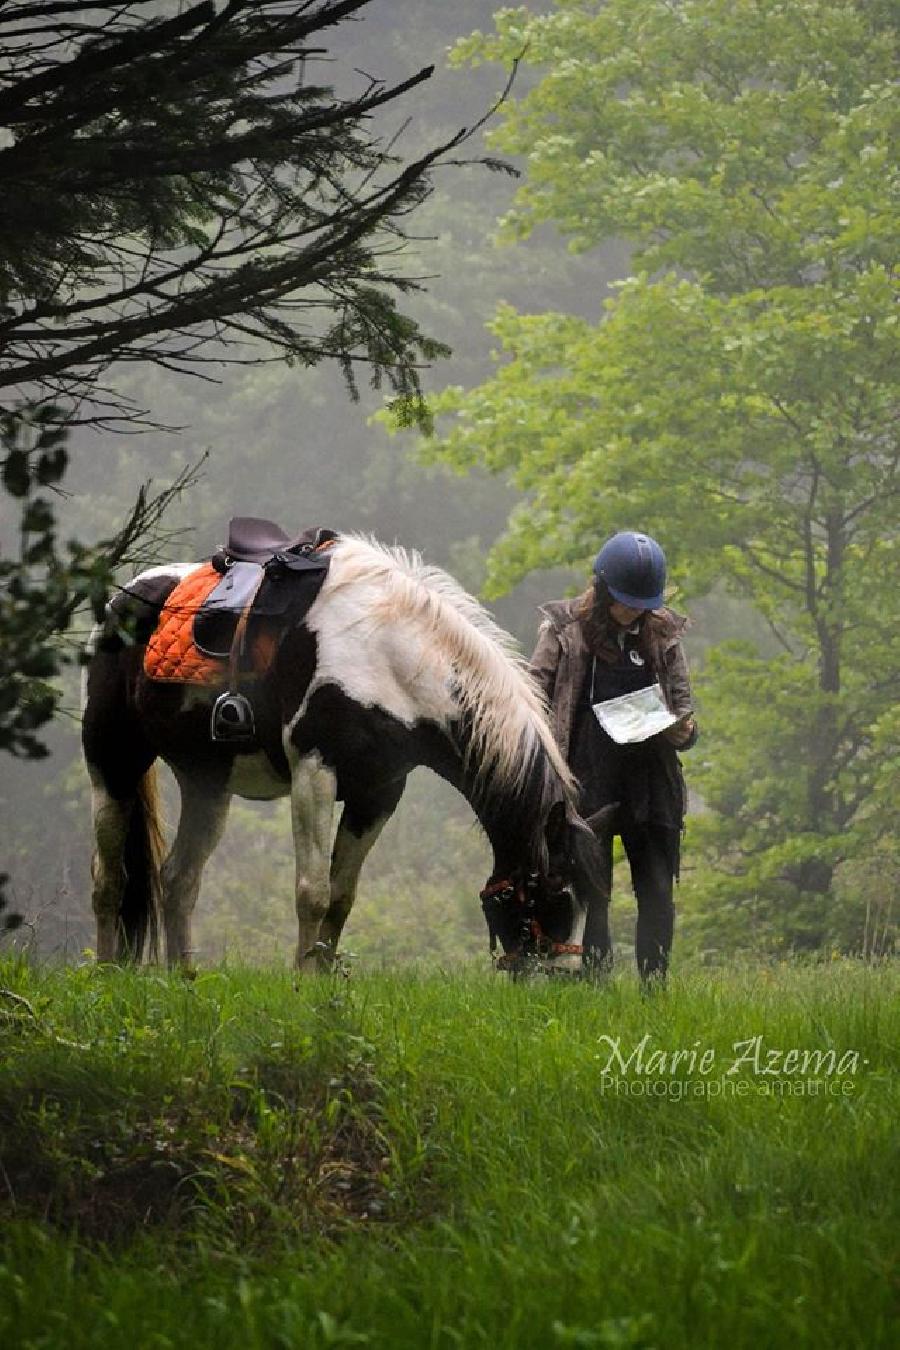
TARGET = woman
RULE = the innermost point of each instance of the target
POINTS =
(614, 639)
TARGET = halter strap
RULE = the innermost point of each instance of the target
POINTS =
(498, 887)
(556, 948)
(507, 885)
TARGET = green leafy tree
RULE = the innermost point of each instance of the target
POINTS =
(44, 583)
(738, 396)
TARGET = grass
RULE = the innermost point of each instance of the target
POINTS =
(434, 1159)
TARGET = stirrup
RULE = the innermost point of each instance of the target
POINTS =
(232, 719)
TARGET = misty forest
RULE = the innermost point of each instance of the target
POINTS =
(491, 283)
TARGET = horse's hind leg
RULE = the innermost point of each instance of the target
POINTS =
(313, 792)
(361, 824)
(111, 819)
(124, 811)
(204, 810)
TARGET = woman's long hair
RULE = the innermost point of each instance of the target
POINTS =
(592, 611)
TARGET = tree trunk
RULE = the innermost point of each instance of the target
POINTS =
(823, 795)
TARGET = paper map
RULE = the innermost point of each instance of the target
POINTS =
(635, 717)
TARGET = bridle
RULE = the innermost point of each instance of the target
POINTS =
(517, 896)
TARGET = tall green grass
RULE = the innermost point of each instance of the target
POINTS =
(436, 1159)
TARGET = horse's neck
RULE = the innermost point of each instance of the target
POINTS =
(513, 819)
(512, 815)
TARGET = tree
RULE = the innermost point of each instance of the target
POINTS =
(43, 585)
(738, 396)
(179, 190)
(170, 182)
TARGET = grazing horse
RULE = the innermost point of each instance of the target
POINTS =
(392, 666)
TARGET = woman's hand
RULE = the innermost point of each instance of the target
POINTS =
(682, 733)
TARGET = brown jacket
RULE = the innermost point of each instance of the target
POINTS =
(560, 663)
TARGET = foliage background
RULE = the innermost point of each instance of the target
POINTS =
(738, 398)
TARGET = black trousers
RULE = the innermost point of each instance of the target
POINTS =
(651, 857)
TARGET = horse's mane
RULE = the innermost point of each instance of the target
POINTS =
(505, 711)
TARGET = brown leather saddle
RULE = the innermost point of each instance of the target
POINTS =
(252, 539)
(265, 573)
(270, 577)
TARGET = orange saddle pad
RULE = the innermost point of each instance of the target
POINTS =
(172, 653)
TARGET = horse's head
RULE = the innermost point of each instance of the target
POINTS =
(540, 915)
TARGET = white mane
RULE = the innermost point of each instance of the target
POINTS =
(491, 682)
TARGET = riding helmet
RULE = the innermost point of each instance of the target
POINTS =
(634, 568)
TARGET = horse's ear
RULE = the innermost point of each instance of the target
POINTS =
(601, 821)
(555, 829)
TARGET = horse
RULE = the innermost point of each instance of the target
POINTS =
(392, 666)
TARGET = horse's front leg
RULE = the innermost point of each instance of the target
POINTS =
(361, 824)
(313, 793)
(204, 810)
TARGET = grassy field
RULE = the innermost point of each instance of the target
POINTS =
(448, 1159)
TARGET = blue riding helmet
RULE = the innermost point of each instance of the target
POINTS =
(634, 568)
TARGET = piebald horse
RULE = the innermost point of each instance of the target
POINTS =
(394, 665)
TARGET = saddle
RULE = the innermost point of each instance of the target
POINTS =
(258, 582)
(252, 539)
(265, 573)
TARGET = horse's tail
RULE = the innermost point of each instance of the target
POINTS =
(142, 859)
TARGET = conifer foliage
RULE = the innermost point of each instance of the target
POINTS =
(169, 180)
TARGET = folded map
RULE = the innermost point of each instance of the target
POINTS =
(635, 717)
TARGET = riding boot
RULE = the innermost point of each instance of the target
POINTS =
(649, 856)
